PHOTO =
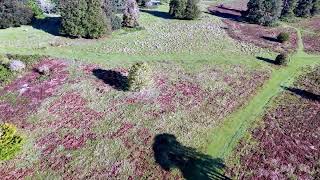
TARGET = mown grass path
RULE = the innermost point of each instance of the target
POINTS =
(226, 136)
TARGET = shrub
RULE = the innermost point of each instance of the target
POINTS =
(283, 37)
(4, 60)
(139, 76)
(5, 73)
(192, 10)
(82, 18)
(304, 8)
(131, 14)
(10, 142)
(34, 6)
(178, 8)
(14, 13)
(263, 12)
(116, 22)
(109, 7)
(282, 59)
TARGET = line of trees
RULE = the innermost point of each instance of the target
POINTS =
(94, 18)
(79, 18)
(267, 12)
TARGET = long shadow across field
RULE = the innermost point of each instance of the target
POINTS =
(169, 154)
(112, 78)
(156, 13)
(228, 13)
(50, 25)
(303, 93)
(271, 61)
(272, 39)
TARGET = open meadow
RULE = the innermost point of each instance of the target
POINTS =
(218, 107)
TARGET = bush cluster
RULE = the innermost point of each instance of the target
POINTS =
(83, 18)
(184, 9)
(282, 59)
(10, 142)
(116, 22)
(14, 13)
(139, 76)
(283, 37)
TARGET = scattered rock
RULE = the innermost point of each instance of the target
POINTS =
(17, 65)
(23, 89)
(44, 70)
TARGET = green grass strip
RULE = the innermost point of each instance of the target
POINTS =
(226, 136)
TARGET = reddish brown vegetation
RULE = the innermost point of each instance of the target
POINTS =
(113, 136)
(311, 43)
(311, 36)
(31, 92)
(311, 25)
(261, 36)
(288, 142)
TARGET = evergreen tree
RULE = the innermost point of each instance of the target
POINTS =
(72, 14)
(178, 8)
(82, 18)
(264, 12)
(288, 8)
(192, 10)
(304, 8)
(131, 14)
(95, 21)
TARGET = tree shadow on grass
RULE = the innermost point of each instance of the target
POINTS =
(266, 60)
(50, 25)
(169, 154)
(303, 93)
(112, 78)
(227, 13)
(272, 39)
(159, 14)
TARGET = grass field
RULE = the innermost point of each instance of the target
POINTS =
(79, 123)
